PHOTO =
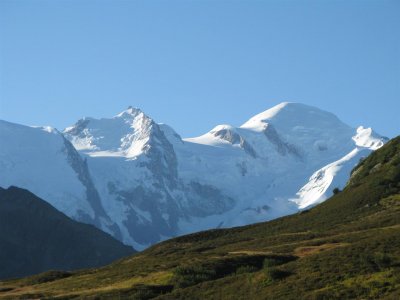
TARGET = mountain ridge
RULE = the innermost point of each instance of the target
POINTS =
(152, 184)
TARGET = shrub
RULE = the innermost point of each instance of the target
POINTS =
(336, 191)
(273, 274)
(48, 276)
(270, 262)
(185, 276)
(382, 260)
(277, 260)
(246, 269)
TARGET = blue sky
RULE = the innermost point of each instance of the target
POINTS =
(196, 64)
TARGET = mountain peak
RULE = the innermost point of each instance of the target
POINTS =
(125, 134)
(130, 112)
(293, 116)
(267, 114)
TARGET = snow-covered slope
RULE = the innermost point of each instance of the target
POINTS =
(150, 184)
(42, 160)
(37, 158)
(336, 174)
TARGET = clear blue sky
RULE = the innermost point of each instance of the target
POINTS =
(196, 64)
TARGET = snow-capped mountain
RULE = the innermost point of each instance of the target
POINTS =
(142, 182)
(135, 169)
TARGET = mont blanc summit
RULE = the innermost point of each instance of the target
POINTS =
(141, 182)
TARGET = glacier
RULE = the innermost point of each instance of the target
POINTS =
(142, 182)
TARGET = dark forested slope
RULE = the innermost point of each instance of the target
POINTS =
(35, 237)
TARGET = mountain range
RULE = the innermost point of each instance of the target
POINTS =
(141, 182)
(347, 247)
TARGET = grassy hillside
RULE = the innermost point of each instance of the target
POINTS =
(347, 247)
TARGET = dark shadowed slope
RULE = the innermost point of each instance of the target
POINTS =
(346, 248)
(35, 237)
